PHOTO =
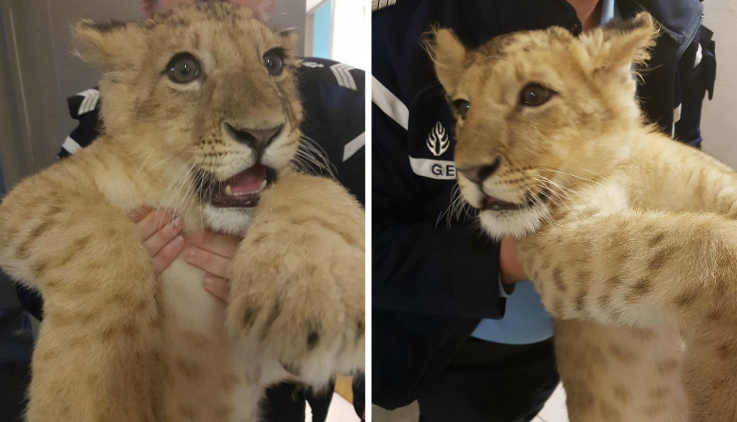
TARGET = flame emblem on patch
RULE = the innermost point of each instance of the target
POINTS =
(438, 140)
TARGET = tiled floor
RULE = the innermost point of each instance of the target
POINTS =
(555, 408)
(340, 411)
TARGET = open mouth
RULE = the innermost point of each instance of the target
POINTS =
(496, 204)
(242, 190)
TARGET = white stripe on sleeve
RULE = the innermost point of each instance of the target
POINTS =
(352, 147)
(70, 145)
(389, 103)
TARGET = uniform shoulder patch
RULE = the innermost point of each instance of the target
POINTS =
(438, 140)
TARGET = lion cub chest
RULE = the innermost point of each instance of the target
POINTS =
(204, 379)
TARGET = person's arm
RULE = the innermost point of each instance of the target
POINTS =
(85, 108)
(417, 266)
(420, 268)
(333, 99)
(694, 84)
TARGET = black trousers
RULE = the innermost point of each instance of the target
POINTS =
(286, 403)
(491, 382)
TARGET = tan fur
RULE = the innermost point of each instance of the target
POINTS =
(118, 343)
(629, 236)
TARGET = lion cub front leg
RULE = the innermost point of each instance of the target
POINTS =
(635, 267)
(297, 280)
(644, 268)
(96, 358)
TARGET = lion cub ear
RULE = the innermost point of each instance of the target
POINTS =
(449, 57)
(110, 46)
(621, 44)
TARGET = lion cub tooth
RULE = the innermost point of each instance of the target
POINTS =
(263, 185)
(228, 190)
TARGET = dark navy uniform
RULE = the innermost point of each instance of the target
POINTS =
(433, 282)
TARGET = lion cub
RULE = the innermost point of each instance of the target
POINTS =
(629, 237)
(212, 93)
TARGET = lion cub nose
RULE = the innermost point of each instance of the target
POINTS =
(478, 174)
(258, 139)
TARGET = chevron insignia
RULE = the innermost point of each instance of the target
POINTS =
(91, 97)
(380, 4)
(342, 74)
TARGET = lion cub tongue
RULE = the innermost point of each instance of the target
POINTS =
(248, 181)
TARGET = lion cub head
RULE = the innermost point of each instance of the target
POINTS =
(205, 97)
(537, 112)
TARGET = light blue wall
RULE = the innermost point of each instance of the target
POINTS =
(321, 36)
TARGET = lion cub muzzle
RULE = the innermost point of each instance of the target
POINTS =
(478, 174)
(243, 189)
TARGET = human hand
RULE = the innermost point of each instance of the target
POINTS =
(212, 253)
(510, 269)
(163, 243)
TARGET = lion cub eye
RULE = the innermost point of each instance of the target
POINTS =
(462, 107)
(183, 68)
(274, 61)
(534, 95)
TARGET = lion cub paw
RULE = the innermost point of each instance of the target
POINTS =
(297, 284)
